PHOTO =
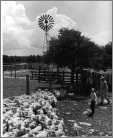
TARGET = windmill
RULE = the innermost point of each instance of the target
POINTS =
(46, 23)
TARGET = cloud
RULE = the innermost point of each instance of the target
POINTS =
(21, 36)
(20, 33)
(61, 21)
(14, 20)
(101, 38)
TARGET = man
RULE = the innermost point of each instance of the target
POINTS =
(103, 89)
(93, 100)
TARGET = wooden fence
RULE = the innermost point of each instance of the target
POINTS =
(45, 74)
(64, 79)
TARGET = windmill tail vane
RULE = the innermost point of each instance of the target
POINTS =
(46, 23)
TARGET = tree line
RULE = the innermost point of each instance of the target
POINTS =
(21, 59)
(74, 50)
(71, 49)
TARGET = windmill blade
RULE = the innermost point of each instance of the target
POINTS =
(46, 16)
(41, 19)
(51, 18)
(50, 26)
(51, 23)
(43, 16)
(42, 27)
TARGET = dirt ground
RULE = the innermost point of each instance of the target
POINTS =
(72, 111)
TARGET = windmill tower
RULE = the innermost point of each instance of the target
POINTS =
(46, 23)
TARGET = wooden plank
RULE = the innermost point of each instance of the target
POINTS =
(45, 75)
(27, 85)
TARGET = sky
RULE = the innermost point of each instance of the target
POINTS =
(22, 36)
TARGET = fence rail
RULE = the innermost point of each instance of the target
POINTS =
(55, 76)
(46, 75)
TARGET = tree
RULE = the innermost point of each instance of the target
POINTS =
(63, 50)
(76, 51)
(70, 49)
(107, 55)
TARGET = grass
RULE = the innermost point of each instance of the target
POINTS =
(15, 87)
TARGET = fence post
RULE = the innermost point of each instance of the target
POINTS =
(15, 70)
(11, 73)
(39, 73)
(63, 75)
(10, 69)
(50, 80)
(27, 85)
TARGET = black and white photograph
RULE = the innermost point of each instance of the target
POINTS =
(56, 69)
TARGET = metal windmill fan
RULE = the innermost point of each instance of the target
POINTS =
(46, 22)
